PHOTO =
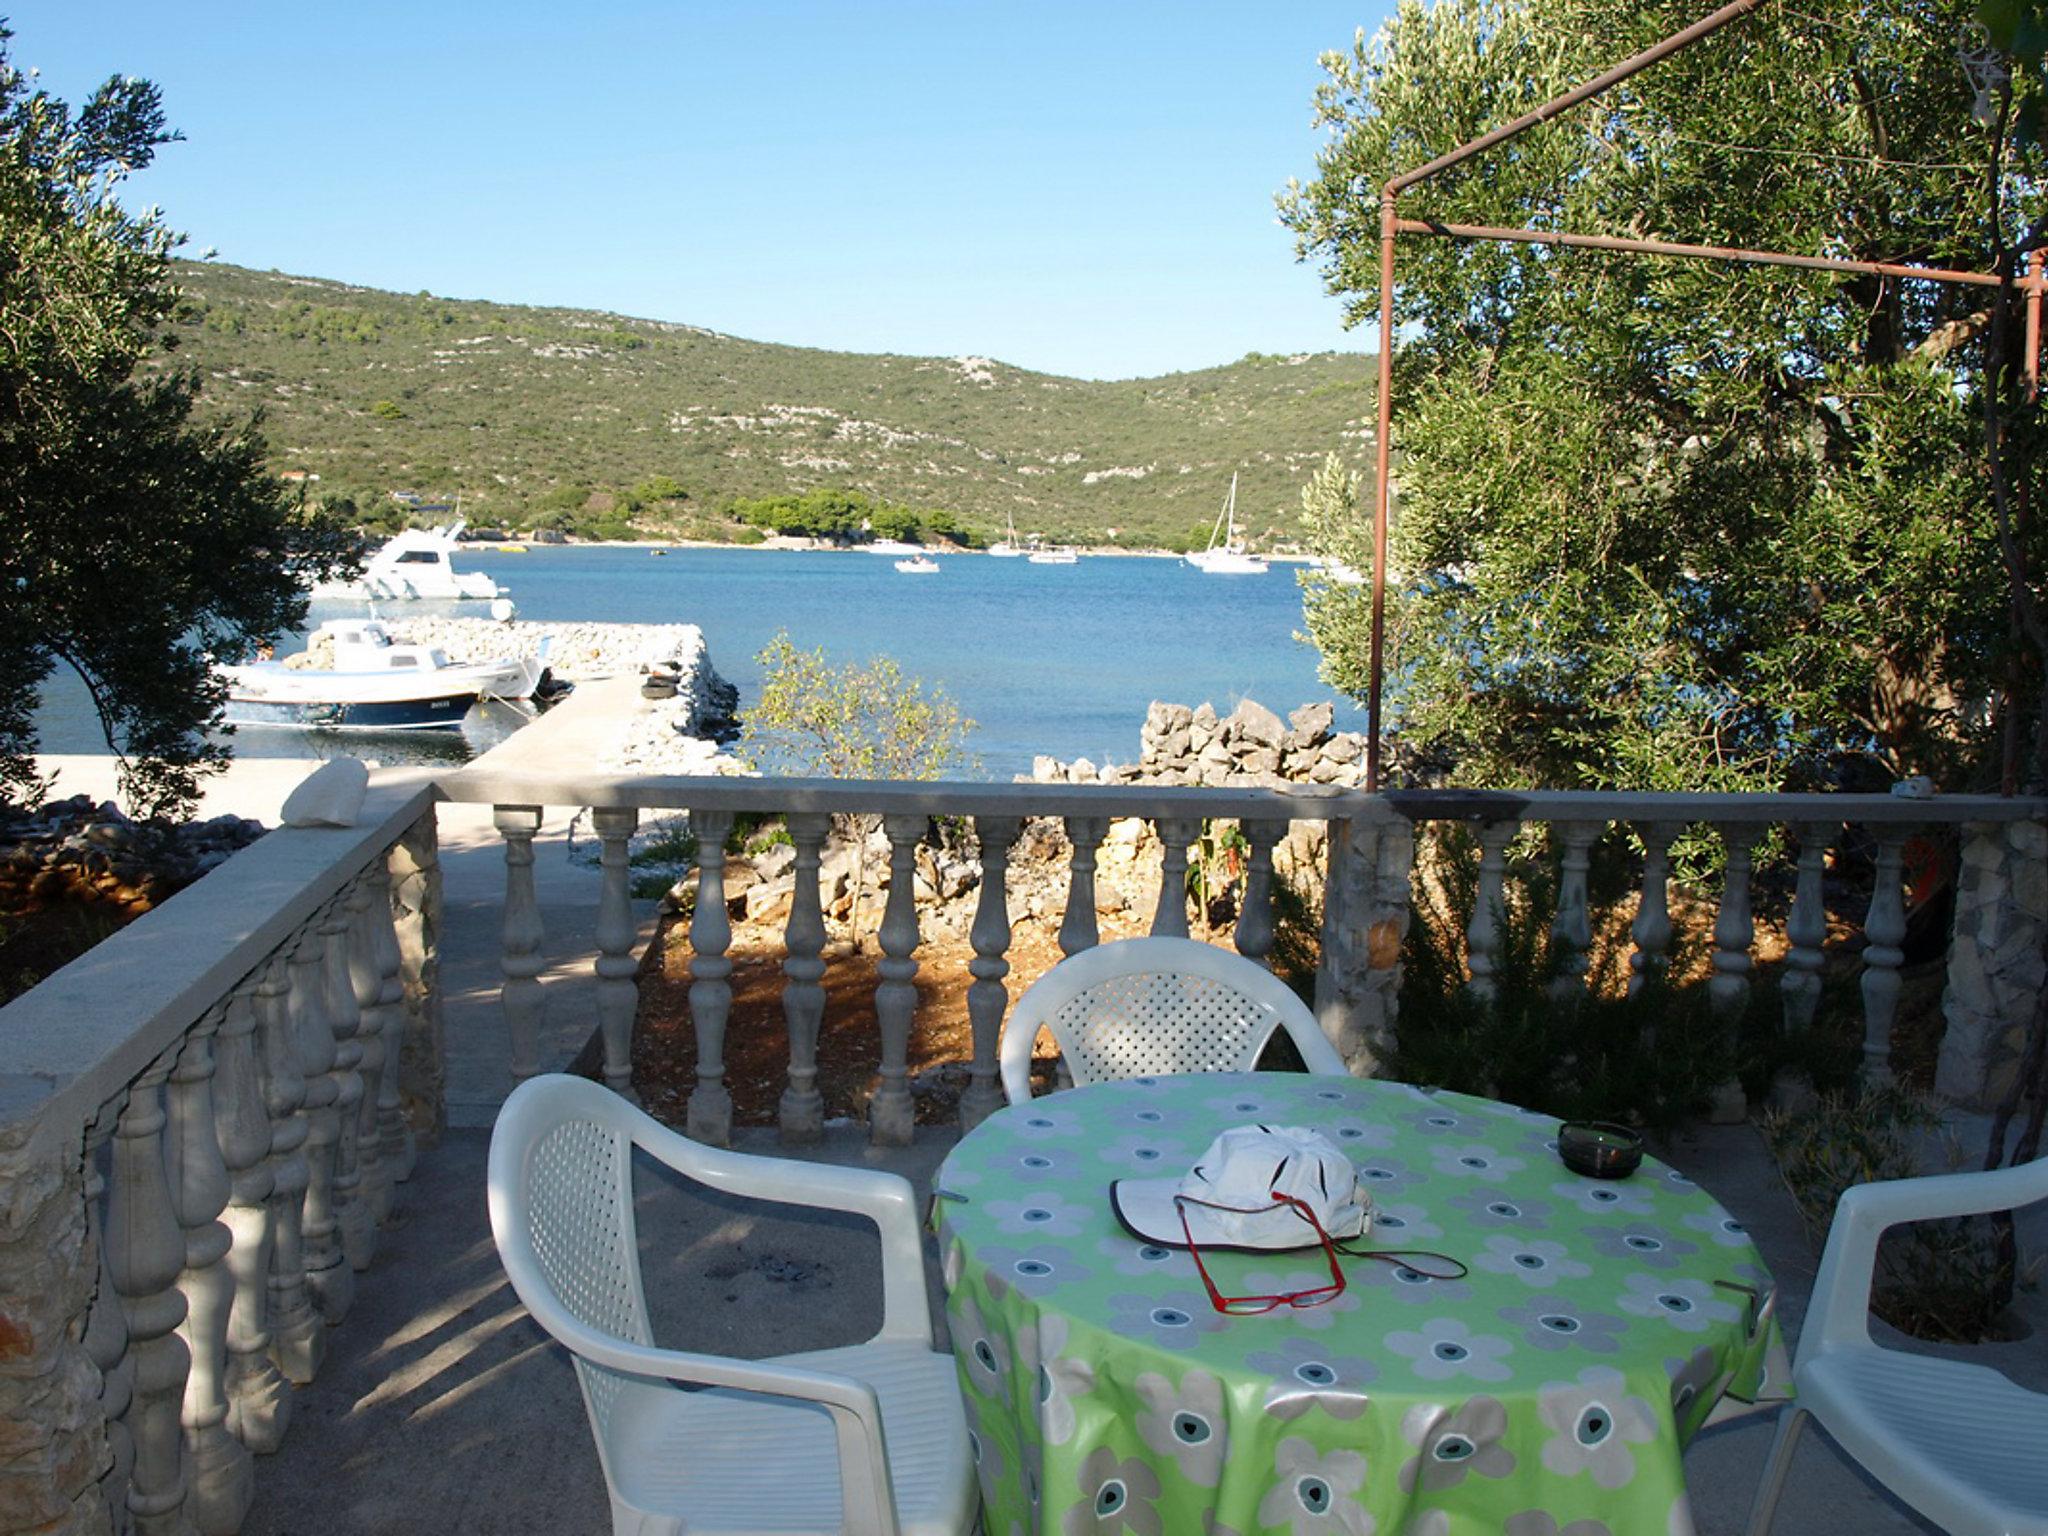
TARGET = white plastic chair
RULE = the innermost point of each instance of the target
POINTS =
(1148, 1007)
(868, 1439)
(1960, 1443)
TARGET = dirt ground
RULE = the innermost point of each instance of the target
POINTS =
(849, 1044)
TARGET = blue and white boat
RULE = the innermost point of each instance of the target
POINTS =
(375, 684)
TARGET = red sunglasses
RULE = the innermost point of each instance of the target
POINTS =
(1249, 1306)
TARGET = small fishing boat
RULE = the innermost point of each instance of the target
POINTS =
(918, 565)
(415, 564)
(1053, 557)
(1227, 554)
(376, 684)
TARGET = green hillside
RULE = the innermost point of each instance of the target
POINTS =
(527, 412)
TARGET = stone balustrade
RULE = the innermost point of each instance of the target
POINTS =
(1365, 900)
(203, 1122)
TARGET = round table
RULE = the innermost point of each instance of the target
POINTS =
(1547, 1393)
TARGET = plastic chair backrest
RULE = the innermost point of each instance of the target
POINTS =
(1141, 1007)
(567, 1182)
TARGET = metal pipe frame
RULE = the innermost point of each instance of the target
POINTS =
(1392, 225)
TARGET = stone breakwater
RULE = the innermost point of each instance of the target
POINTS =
(1249, 746)
(76, 850)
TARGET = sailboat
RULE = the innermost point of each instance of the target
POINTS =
(1227, 554)
(1009, 545)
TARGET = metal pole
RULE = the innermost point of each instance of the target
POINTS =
(1383, 460)
(2033, 286)
(1700, 252)
(1630, 66)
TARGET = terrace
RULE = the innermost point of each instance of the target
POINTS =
(248, 1277)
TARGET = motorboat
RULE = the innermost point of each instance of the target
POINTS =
(415, 564)
(1227, 554)
(918, 565)
(375, 684)
(1053, 557)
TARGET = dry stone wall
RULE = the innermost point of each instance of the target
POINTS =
(1250, 746)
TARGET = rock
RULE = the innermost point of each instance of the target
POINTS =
(774, 862)
(329, 796)
(1261, 760)
(770, 899)
(1312, 722)
(1252, 721)
(1345, 747)
(1046, 770)
(1082, 771)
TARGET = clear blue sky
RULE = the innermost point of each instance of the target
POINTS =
(1080, 188)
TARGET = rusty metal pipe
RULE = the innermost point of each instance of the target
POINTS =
(2033, 287)
(1383, 462)
(1700, 252)
(1633, 65)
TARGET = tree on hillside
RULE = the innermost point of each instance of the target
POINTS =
(1664, 523)
(138, 538)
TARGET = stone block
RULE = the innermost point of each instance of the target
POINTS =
(1344, 747)
(1046, 770)
(1254, 722)
(2030, 887)
(1260, 761)
(1312, 722)
(2028, 839)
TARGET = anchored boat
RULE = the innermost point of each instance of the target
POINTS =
(415, 564)
(1227, 554)
(375, 684)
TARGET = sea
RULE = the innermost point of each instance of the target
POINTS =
(1045, 659)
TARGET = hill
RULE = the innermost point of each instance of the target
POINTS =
(530, 413)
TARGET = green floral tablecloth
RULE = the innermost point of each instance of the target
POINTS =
(1547, 1393)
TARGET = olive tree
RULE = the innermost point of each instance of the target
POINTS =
(141, 535)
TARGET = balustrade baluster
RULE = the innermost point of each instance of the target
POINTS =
(890, 1116)
(1571, 931)
(1884, 931)
(220, 1473)
(1734, 934)
(416, 1047)
(1806, 928)
(329, 1280)
(987, 997)
(525, 1000)
(258, 1401)
(709, 1118)
(106, 1330)
(366, 983)
(1176, 835)
(1077, 926)
(1651, 930)
(145, 1252)
(1255, 916)
(353, 1228)
(803, 969)
(618, 995)
(298, 1340)
(1483, 932)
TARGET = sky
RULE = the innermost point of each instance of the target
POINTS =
(1084, 189)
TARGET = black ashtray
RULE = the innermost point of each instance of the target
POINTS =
(1599, 1150)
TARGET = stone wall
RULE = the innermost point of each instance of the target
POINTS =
(1249, 746)
(1995, 966)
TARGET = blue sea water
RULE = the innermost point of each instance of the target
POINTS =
(1044, 658)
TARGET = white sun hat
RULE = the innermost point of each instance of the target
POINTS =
(1245, 1168)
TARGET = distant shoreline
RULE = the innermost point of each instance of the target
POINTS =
(781, 545)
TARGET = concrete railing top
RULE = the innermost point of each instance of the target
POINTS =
(490, 782)
(485, 782)
(74, 1041)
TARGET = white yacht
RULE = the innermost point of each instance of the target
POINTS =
(415, 564)
(1227, 554)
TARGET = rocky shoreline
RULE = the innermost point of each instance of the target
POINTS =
(79, 850)
(1249, 747)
